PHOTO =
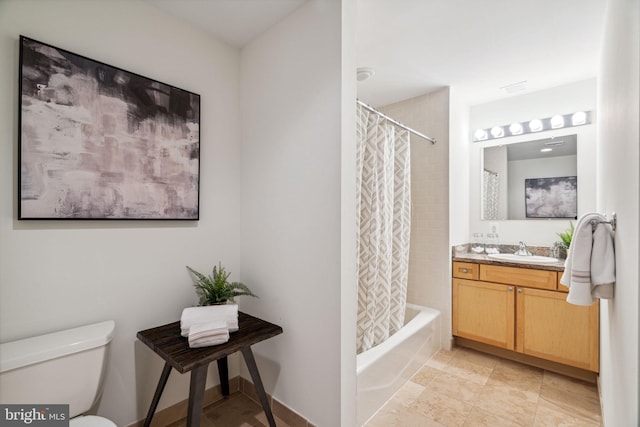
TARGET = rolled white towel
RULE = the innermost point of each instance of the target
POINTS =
(210, 313)
(232, 326)
(207, 334)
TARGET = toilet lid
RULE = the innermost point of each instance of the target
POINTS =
(91, 421)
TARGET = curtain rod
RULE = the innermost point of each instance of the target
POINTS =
(395, 122)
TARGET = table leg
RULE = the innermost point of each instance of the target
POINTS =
(196, 395)
(156, 397)
(257, 382)
(223, 372)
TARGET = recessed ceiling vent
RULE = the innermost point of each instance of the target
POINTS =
(515, 87)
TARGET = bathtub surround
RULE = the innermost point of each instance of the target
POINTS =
(429, 261)
(383, 203)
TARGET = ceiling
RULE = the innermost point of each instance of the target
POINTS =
(235, 22)
(561, 146)
(417, 46)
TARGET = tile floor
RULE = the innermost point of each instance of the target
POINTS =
(457, 388)
(468, 388)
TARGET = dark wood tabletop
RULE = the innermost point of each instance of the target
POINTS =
(167, 342)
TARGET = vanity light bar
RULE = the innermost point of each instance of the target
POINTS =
(536, 125)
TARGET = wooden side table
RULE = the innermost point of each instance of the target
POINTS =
(167, 342)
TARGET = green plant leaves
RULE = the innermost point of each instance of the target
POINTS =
(567, 235)
(216, 288)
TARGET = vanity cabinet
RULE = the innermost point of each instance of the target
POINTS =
(484, 312)
(550, 328)
(523, 310)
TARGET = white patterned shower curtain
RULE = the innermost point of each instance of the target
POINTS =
(490, 188)
(384, 227)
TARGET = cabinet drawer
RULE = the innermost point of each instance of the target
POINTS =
(465, 270)
(541, 279)
(561, 287)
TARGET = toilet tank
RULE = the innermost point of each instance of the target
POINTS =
(65, 367)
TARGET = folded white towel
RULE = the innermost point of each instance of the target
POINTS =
(210, 313)
(207, 334)
(589, 270)
(603, 263)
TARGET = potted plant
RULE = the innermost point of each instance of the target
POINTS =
(566, 237)
(216, 288)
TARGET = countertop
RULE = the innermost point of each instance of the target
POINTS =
(484, 259)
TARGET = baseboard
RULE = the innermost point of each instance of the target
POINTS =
(604, 424)
(279, 409)
(178, 411)
(559, 368)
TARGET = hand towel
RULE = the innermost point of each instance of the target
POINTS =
(210, 313)
(586, 269)
(603, 263)
(207, 334)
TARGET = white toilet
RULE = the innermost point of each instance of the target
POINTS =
(65, 367)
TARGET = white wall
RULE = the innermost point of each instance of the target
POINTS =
(349, 276)
(291, 207)
(618, 191)
(54, 274)
(459, 179)
(565, 99)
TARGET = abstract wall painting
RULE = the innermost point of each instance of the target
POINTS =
(99, 142)
(551, 197)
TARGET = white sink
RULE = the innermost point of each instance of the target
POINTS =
(522, 258)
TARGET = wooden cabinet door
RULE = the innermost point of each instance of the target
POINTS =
(550, 328)
(484, 312)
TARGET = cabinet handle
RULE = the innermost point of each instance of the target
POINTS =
(519, 291)
(464, 270)
(510, 289)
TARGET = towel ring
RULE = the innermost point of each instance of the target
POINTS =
(613, 221)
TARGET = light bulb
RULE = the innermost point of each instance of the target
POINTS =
(535, 125)
(557, 121)
(480, 135)
(579, 118)
(515, 129)
(497, 132)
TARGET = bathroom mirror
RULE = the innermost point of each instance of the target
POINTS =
(511, 173)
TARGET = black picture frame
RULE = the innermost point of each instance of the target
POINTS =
(555, 197)
(102, 143)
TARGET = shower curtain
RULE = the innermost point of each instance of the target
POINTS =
(384, 227)
(490, 187)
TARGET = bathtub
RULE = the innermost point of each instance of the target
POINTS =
(383, 369)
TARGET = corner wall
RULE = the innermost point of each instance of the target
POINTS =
(292, 236)
(618, 183)
(60, 274)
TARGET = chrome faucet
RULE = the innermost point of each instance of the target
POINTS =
(523, 251)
